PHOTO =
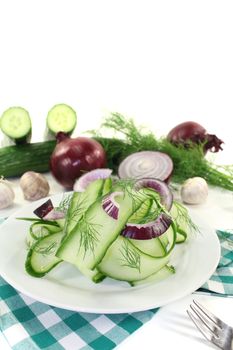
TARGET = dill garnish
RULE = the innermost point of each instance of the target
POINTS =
(88, 234)
(74, 214)
(183, 216)
(137, 196)
(47, 250)
(130, 255)
(187, 162)
(151, 216)
(64, 204)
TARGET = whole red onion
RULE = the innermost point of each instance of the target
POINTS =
(193, 132)
(72, 157)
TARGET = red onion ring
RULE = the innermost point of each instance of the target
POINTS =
(160, 187)
(84, 180)
(158, 226)
(110, 206)
(148, 231)
(146, 164)
(54, 215)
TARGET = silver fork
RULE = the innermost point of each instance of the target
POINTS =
(213, 329)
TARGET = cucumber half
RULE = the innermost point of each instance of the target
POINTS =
(16, 123)
(61, 117)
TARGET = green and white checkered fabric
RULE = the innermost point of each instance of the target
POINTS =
(222, 280)
(28, 324)
(31, 325)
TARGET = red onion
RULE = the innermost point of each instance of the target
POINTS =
(148, 231)
(146, 164)
(54, 215)
(158, 186)
(110, 206)
(44, 209)
(158, 226)
(74, 156)
(84, 180)
(193, 132)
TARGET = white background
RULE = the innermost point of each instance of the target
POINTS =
(160, 62)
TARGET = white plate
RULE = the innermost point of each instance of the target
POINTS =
(65, 287)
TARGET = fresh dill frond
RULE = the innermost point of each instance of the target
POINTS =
(75, 213)
(188, 162)
(182, 215)
(47, 250)
(128, 188)
(64, 203)
(88, 235)
(151, 216)
(131, 258)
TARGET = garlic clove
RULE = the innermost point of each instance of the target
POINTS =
(194, 190)
(34, 185)
(7, 194)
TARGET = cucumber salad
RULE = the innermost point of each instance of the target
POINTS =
(126, 230)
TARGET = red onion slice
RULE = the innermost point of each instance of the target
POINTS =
(150, 230)
(44, 209)
(84, 180)
(146, 164)
(54, 215)
(160, 187)
(110, 206)
(158, 226)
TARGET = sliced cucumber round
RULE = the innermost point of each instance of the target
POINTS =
(15, 122)
(61, 117)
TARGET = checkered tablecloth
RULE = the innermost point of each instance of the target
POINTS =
(30, 325)
(221, 281)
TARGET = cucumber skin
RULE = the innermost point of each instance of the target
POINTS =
(31, 271)
(28, 263)
(17, 159)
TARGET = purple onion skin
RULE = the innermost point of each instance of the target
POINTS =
(113, 211)
(74, 156)
(159, 187)
(155, 229)
(44, 209)
(193, 132)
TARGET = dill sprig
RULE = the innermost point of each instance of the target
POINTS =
(47, 250)
(128, 188)
(88, 234)
(183, 216)
(131, 257)
(75, 213)
(187, 162)
(64, 203)
(151, 216)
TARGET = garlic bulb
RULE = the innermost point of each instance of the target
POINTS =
(194, 190)
(34, 185)
(7, 194)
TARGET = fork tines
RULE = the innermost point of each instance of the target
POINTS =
(213, 329)
(204, 320)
